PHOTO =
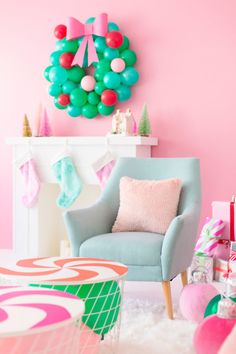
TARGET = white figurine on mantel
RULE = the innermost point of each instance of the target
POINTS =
(123, 123)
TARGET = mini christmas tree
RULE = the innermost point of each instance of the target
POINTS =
(144, 128)
(26, 127)
(45, 128)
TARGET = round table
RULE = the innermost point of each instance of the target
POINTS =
(39, 321)
(99, 282)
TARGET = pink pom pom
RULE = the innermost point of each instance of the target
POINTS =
(211, 333)
(194, 299)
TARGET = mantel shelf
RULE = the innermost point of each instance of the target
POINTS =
(84, 140)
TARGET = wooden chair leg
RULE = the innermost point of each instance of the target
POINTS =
(184, 278)
(168, 300)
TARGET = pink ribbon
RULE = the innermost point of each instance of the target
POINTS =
(76, 29)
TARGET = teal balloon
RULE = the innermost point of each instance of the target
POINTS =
(73, 111)
(58, 75)
(54, 90)
(60, 43)
(111, 80)
(100, 44)
(129, 76)
(55, 56)
(78, 97)
(75, 74)
(70, 46)
(112, 26)
(110, 53)
(105, 110)
(104, 65)
(68, 86)
(90, 20)
(93, 98)
(46, 72)
(99, 74)
(129, 56)
(125, 44)
(99, 88)
(58, 105)
(89, 111)
(123, 92)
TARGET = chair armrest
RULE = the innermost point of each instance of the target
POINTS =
(81, 224)
(178, 245)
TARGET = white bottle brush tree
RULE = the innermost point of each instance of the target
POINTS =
(144, 128)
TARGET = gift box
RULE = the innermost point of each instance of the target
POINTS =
(226, 211)
(222, 250)
(220, 270)
(232, 258)
(203, 263)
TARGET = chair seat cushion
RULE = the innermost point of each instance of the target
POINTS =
(130, 248)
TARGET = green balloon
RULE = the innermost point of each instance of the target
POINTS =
(93, 98)
(112, 26)
(100, 44)
(55, 56)
(54, 90)
(78, 97)
(111, 80)
(104, 65)
(73, 111)
(99, 74)
(123, 92)
(99, 88)
(90, 20)
(58, 105)
(68, 86)
(75, 74)
(89, 111)
(60, 43)
(58, 75)
(70, 46)
(110, 53)
(46, 73)
(125, 44)
(129, 57)
(102, 303)
(129, 76)
(105, 110)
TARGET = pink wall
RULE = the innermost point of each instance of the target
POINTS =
(187, 63)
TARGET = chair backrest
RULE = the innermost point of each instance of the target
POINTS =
(186, 169)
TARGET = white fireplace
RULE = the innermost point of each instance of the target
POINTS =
(37, 231)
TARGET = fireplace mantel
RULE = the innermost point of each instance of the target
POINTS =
(35, 232)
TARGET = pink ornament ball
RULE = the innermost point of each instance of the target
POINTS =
(194, 299)
(211, 334)
(88, 82)
(117, 65)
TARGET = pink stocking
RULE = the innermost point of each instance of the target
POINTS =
(32, 183)
(103, 167)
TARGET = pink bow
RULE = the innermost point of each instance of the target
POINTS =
(77, 29)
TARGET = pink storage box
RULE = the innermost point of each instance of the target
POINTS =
(221, 210)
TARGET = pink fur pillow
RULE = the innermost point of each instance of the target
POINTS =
(147, 205)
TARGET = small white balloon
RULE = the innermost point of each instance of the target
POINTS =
(88, 82)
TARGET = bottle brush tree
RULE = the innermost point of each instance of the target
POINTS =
(144, 128)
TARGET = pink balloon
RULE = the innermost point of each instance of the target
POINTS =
(118, 65)
(88, 82)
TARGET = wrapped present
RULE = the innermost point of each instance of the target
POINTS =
(209, 236)
(226, 211)
(204, 264)
(222, 251)
(232, 257)
(221, 270)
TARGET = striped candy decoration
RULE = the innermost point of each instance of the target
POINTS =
(210, 235)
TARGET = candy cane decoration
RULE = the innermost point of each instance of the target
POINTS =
(210, 235)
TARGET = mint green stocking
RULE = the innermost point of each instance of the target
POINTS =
(70, 183)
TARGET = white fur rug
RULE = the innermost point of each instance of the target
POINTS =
(145, 329)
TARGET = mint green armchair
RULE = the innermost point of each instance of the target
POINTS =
(149, 256)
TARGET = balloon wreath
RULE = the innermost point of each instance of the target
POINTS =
(91, 68)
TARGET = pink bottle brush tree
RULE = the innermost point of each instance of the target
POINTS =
(44, 126)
